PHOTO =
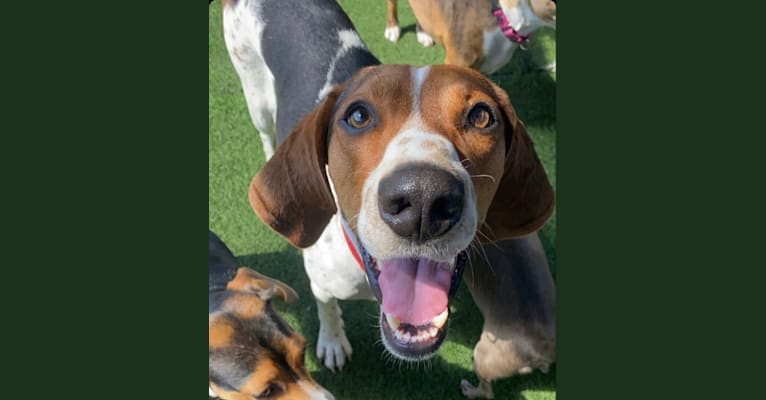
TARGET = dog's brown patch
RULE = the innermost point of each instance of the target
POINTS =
(220, 332)
(244, 305)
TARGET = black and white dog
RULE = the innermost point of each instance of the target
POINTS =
(287, 67)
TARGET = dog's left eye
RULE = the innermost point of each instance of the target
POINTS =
(480, 116)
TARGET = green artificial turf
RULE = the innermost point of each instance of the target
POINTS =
(235, 156)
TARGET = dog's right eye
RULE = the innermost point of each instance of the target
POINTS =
(273, 389)
(358, 118)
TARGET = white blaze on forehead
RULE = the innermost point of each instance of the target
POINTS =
(349, 39)
(418, 77)
(416, 144)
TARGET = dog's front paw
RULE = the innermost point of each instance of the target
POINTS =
(473, 392)
(425, 39)
(392, 33)
(333, 348)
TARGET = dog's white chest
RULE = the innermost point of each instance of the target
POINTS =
(333, 269)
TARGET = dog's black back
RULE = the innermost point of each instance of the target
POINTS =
(221, 263)
(299, 43)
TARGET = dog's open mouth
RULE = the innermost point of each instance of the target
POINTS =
(414, 297)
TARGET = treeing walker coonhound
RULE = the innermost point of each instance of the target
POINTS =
(384, 174)
(480, 34)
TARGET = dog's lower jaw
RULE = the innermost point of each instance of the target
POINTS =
(417, 350)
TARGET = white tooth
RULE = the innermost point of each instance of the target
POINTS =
(433, 331)
(393, 322)
(406, 337)
(440, 319)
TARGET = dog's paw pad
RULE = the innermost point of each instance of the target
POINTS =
(392, 33)
(425, 39)
(332, 349)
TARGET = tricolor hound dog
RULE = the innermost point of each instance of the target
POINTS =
(253, 352)
(480, 34)
(384, 174)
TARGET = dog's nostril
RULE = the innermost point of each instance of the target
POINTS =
(420, 202)
(396, 205)
(445, 211)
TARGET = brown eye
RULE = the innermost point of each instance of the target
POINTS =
(359, 117)
(273, 389)
(480, 116)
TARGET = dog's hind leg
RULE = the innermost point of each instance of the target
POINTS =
(242, 33)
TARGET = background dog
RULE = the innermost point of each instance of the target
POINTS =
(253, 353)
(480, 34)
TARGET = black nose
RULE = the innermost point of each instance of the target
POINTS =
(420, 202)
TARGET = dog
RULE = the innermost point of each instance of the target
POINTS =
(513, 288)
(480, 34)
(383, 174)
(253, 353)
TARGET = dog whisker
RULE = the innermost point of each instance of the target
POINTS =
(490, 177)
(483, 253)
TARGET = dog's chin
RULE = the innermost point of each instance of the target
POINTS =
(417, 336)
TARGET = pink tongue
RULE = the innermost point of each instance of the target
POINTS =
(414, 291)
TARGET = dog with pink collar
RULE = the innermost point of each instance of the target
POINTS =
(479, 34)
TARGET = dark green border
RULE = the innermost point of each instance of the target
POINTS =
(105, 153)
(654, 210)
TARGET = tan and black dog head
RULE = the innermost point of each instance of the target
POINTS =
(423, 161)
(253, 353)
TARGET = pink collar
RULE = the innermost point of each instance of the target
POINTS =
(512, 34)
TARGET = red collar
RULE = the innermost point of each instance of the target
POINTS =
(512, 34)
(351, 243)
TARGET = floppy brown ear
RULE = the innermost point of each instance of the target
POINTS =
(248, 280)
(291, 193)
(524, 199)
